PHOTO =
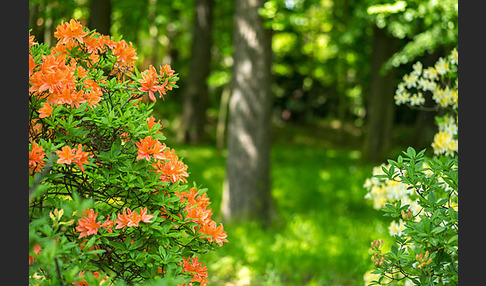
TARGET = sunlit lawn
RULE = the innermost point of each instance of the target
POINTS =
(325, 226)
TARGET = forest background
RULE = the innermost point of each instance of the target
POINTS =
(335, 66)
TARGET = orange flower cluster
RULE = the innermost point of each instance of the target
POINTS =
(167, 163)
(149, 147)
(36, 250)
(132, 218)
(171, 169)
(69, 32)
(36, 158)
(196, 269)
(198, 212)
(56, 81)
(151, 81)
(76, 156)
(125, 53)
(88, 225)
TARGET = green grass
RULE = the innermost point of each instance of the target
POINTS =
(325, 226)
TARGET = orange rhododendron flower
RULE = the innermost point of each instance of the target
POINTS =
(36, 158)
(151, 122)
(94, 44)
(198, 271)
(70, 31)
(197, 211)
(81, 158)
(166, 70)
(217, 234)
(45, 110)
(31, 65)
(66, 155)
(92, 94)
(122, 220)
(52, 62)
(150, 147)
(144, 216)
(172, 169)
(108, 224)
(132, 218)
(53, 75)
(31, 40)
(125, 53)
(36, 250)
(76, 156)
(150, 83)
(88, 224)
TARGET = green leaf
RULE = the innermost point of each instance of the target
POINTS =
(136, 244)
(96, 251)
(432, 198)
(438, 230)
(453, 239)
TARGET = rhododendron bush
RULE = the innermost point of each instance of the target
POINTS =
(109, 201)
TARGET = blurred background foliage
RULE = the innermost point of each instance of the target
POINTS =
(322, 67)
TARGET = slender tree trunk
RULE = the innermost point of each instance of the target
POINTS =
(196, 96)
(48, 32)
(381, 105)
(222, 117)
(154, 33)
(247, 190)
(100, 16)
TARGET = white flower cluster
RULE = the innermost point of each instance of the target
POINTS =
(431, 79)
(441, 81)
(445, 141)
(384, 191)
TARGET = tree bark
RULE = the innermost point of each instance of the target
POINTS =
(247, 189)
(100, 16)
(381, 105)
(196, 96)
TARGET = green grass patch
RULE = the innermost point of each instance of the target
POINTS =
(325, 226)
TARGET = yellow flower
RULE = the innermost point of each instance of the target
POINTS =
(444, 143)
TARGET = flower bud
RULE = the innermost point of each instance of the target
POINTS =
(376, 245)
(407, 215)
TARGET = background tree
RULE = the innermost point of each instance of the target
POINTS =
(381, 105)
(196, 95)
(100, 16)
(247, 192)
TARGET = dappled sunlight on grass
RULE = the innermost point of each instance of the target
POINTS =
(325, 227)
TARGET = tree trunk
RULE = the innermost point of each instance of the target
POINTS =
(100, 16)
(381, 104)
(196, 96)
(247, 190)
(154, 33)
